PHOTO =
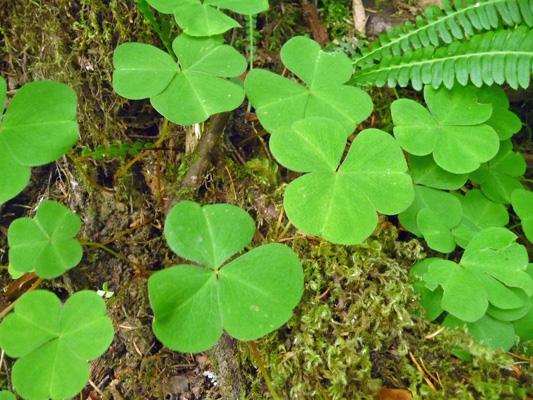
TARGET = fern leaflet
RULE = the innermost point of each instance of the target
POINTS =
(455, 22)
(491, 57)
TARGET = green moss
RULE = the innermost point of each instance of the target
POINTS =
(356, 327)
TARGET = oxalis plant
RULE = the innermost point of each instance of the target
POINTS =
(448, 170)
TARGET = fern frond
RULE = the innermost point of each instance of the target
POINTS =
(491, 57)
(456, 21)
(115, 150)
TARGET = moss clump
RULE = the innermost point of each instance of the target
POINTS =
(357, 330)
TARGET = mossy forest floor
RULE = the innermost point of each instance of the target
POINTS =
(357, 328)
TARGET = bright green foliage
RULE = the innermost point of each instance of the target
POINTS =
(249, 297)
(490, 331)
(522, 201)
(504, 122)
(524, 325)
(53, 344)
(279, 102)
(492, 270)
(456, 21)
(45, 243)
(340, 203)
(39, 127)
(187, 93)
(425, 171)
(493, 57)
(4, 395)
(202, 18)
(429, 299)
(453, 129)
(497, 178)
(478, 213)
(432, 215)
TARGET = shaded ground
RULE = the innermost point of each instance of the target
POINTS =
(356, 328)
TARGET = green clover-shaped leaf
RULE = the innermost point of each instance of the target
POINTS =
(202, 18)
(279, 102)
(45, 243)
(478, 213)
(249, 297)
(453, 129)
(497, 178)
(187, 93)
(504, 122)
(429, 299)
(340, 203)
(522, 201)
(4, 395)
(487, 330)
(492, 266)
(35, 137)
(444, 206)
(425, 171)
(53, 344)
(524, 325)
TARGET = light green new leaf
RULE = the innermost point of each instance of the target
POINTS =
(187, 93)
(491, 265)
(53, 344)
(453, 129)
(45, 243)
(487, 330)
(497, 178)
(504, 122)
(341, 205)
(203, 234)
(249, 297)
(425, 171)
(279, 102)
(35, 137)
(478, 213)
(198, 18)
(443, 204)
(320, 143)
(522, 201)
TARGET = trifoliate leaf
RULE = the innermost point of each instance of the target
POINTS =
(478, 213)
(279, 102)
(248, 297)
(491, 267)
(425, 171)
(522, 201)
(497, 178)
(201, 234)
(320, 143)
(453, 129)
(443, 204)
(38, 127)
(45, 243)
(53, 344)
(504, 122)
(435, 230)
(340, 205)
(487, 330)
(184, 94)
(198, 18)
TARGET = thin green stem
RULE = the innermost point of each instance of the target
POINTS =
(263, 370)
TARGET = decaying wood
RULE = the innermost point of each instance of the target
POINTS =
(318, 31)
